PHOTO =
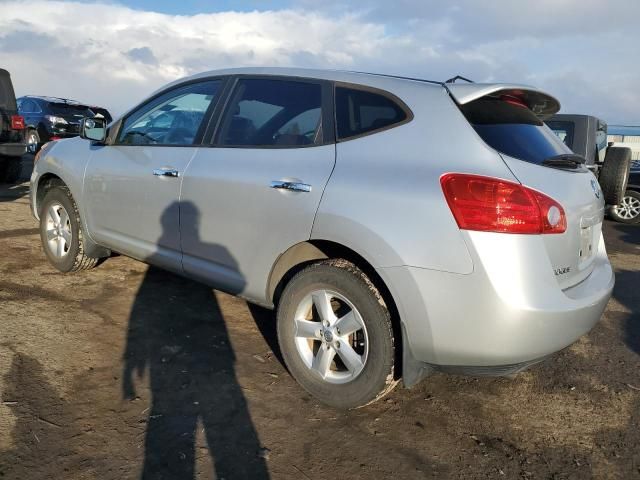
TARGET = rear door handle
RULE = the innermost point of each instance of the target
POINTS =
(166, 172)
(291, 186)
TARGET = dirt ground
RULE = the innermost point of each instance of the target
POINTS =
(125, 372)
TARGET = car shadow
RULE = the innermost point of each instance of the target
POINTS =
(177, 336)
(9, 192)
(265, 320)
(626, 292)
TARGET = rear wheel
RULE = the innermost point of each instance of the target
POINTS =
(628, 211)
(335, 335)
(61, 233)
(33, 141)
(614, 174)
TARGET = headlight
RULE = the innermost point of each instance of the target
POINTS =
(54, 119)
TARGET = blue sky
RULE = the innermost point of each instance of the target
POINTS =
(115, 53)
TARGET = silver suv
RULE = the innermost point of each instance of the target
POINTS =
(398, 226)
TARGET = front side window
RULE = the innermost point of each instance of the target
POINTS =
(361, 111)
(173, 118)
(273, 113)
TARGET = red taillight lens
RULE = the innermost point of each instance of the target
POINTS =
(513, 100)
(17, 122)
(493, 205)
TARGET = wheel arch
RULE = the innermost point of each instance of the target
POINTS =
(48, 181)
(302, 254)
(45, 183)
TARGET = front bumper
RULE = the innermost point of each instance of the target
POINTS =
(477, 320)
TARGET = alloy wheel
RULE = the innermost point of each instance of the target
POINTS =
(330, 336)
(628, 209)
(58, 229)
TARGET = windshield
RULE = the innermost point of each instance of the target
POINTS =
(511, 128)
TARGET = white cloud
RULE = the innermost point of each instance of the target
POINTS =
(580, 50)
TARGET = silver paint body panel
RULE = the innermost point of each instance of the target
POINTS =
(464, 298)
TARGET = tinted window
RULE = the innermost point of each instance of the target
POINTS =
(277, 113)
(361, 111)
(174, 118)
(28, 106)
(513, 129)
(63, 109)
(563, 130)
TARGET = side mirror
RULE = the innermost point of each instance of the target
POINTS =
(93, 129)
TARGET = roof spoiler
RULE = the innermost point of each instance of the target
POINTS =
(539, 102)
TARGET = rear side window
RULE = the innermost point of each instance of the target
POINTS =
(273, 113)
(511, 128)
(359, 112)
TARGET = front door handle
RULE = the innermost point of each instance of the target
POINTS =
(166, 172)
(291, 186)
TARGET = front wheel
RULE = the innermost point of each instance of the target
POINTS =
(61, 232)
(336, 336)
(628, 211)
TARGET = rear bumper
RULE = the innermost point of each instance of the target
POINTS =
(12, 149)
(512, 316)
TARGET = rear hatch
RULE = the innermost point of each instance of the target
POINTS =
(73, 113)
(509, 118)
(8, 108)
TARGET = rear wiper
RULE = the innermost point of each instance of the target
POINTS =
(565, 160)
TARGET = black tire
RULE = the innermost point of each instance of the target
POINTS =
(614, 174)
(628, 211)
(376, 377)
(74, 258)
(32, 139)
(10, 169)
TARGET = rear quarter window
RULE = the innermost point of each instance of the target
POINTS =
(360, 112)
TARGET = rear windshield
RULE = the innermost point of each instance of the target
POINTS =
(513, 129)
(64, 109)
(563, 130)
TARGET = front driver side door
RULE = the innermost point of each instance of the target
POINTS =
(132, 188)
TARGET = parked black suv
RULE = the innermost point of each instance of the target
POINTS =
(587, 136)
(12, 125)
(51, 118)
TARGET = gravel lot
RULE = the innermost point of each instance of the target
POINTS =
(127, 371)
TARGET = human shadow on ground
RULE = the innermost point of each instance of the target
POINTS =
(178, 336)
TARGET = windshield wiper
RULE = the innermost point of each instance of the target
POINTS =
(565, 160)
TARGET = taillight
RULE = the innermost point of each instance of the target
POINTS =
(513, 100)
(492, 205)
(17, 122)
